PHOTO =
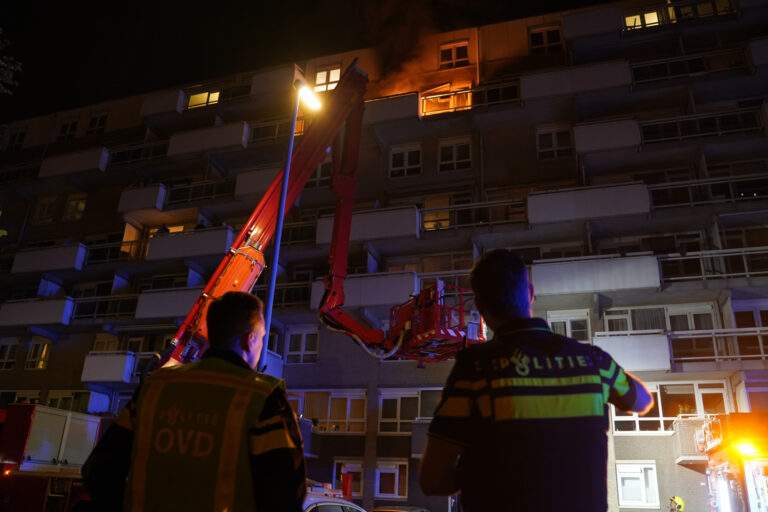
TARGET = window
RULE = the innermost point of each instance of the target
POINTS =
(346, 466)
(574, 323)
(8, 353)
(450, 97)
(553, 144)
(105, 342)
(332, 411)
(44, 210)
(398, 409)
(75, 207)
(454, 55)
(637, 483)
(203, 99)
(273, 342)
(69, 400)
(322, 176)
(545, 40)
(405, 161)
(96, 124)
(67, 130)
(37, 355)
(672, 401)
(16, 140)
(445, 210)
(327, 79)
(455, 155)
(640, 20)
(302, 347)
(677, 317)
(391, 479)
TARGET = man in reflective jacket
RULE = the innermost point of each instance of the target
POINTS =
(522, 421)
(213, 435)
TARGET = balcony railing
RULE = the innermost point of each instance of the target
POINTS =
(289, 294)
(18, 174)
(117, 251)
(719, 345)
(453, 278)
(473, 214)
(299, 232)
(676, 12)
(269, 131)
(202, 190)
(680, 128)
(709, 191)
(138, 153)
(717, 264)
(452, 101)
(689, 65)
(112, 306)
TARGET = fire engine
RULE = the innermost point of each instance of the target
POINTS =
(737, 461)
(429, 326)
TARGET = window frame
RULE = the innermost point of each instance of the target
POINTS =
(72, 209)
(407, 167)
(399, 394)
(642, 465)
(45, 210)
(212, 97)
(454, 144)
(16, 139)
(454, 61)
(567, 316)
(302, 352)
(9, 347)
(383, 467)
(97, 123)
(67, 130)
(556, 148)
(546, 46)
(299, 397)
(328, 84)
(37, 358)
(323, 175)
(357, 466)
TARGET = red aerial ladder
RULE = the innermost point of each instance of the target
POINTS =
(431, 326)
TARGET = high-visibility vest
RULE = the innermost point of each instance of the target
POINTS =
(191, 445)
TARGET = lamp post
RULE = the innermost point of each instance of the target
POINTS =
(302, 93)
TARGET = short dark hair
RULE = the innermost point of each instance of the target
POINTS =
(231, 315)
(500, 283)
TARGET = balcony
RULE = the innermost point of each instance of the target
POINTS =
(167, 303)
(587, 203)
(653, 16)
(606, 135)
(113, 369)
(490, 213)
(443, 102)
(715, 124)
(43, 259)
(718, 345)
(108, 306)
(576, 79)
(39, 311)
(164, 102)
(690, 65)
(366, 290)
(217, 137)
(70, 163)
(186, 244)
(390, 108)
(99, 254)
(637, 350)
(135, 153)
(594, 274)
(18, 174)
(374, 225)
(288, 294)
(299, 233)
(719, 264)
(255, 182)
(199, 191)
(725, 190)
(273, 130)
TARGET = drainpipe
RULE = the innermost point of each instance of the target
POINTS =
(477, 56)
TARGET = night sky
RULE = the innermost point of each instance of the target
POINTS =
(77, 53)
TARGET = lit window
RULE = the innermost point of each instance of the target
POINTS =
(553, 144)
(302, 347)
(37, 355)
(341, 411)
(454, 55)
(96, 124)
(8, 353)
(637, 483)
(203, 99)
(391, 479)
(327, 79)
(44, 210)
(349, 466)
(636, 21)
(75, 207)
(545, 40)
(405, 161)
(67, 130)
(105, 342)
(455, 155)
(16, 140)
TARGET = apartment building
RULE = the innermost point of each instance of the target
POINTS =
(621, 149)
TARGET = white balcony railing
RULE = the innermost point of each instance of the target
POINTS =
(115, 367)
(717, 264)
(133, 153)
(109, 306)
(289, 294)
(473, 214)
(98, 254)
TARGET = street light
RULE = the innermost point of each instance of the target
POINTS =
(310, 100)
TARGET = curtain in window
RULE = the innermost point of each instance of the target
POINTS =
(648, 319)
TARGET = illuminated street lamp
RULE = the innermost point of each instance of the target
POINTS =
(303, 93)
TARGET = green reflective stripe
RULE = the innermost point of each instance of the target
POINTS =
(608, 374)
(548, 406)
(545, 381)
(622, 383)
(606, 392)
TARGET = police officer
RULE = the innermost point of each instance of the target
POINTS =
(213, 435)
(523, 418)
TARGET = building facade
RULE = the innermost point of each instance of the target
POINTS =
(621, 149)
